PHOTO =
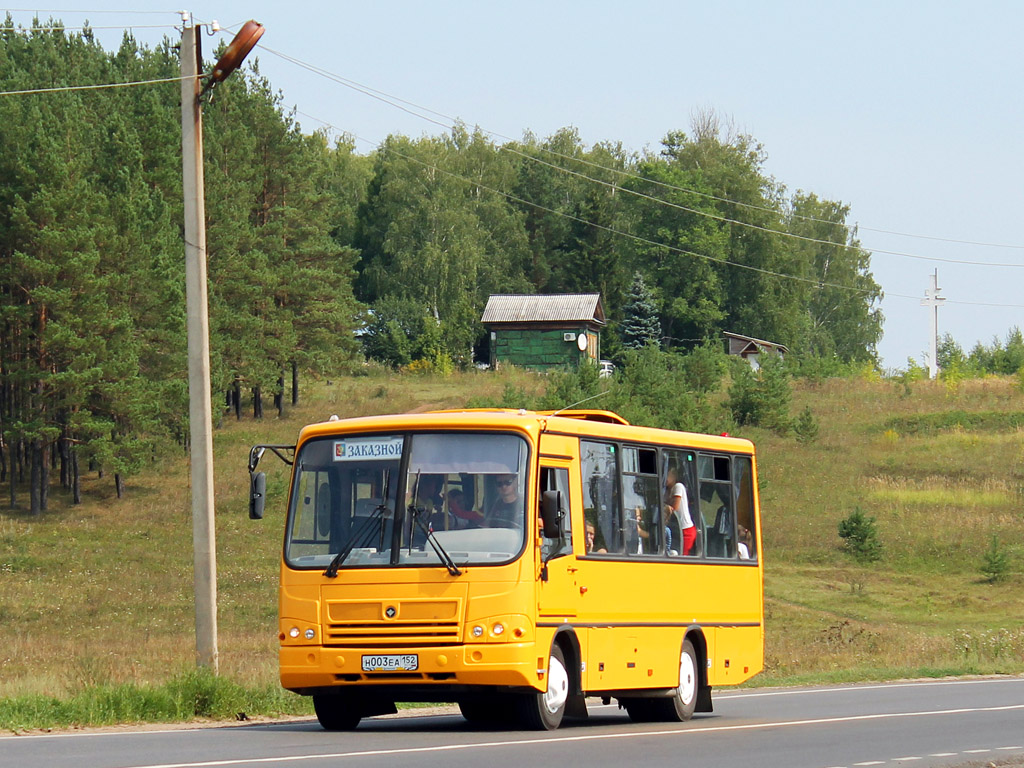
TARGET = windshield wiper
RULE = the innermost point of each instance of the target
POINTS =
(365, 532)
(442, 554)
(363, 536)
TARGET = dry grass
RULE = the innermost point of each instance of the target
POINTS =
(102, 593)
(937, 498)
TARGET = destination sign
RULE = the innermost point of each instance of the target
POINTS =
(368, 448)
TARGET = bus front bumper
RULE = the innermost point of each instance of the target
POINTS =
(485, 664)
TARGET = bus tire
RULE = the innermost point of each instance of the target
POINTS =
(639, 710)
(487, 710)
(681, 706)
(336, 713)
(544, 711)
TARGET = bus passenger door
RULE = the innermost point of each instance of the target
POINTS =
(557, 592)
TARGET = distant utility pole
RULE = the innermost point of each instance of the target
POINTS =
(200, 410)
(933, 300)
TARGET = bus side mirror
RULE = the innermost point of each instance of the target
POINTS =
(551, 514)
(257, 492)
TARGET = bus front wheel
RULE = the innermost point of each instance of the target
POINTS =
(544, 711)
(485, 710)
(336, 713)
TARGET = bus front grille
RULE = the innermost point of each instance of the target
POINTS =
(401, 622)
(391, 635)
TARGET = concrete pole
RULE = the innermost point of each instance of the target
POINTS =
(200, 405)
(933, 300)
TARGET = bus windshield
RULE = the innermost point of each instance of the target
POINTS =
(375, 500)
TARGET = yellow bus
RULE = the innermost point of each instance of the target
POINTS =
(515, 563)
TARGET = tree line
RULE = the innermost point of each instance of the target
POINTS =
(317, 254)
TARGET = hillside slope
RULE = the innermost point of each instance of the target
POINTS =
(102, 592)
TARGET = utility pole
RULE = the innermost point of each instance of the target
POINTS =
(199, 397)
(933, 300)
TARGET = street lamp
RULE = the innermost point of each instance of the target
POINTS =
(200, 409)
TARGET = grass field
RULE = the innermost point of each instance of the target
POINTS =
(100, 594)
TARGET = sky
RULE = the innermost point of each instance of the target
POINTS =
(908, 112)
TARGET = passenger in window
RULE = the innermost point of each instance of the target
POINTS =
(638, 535)
(590, 534)
(744, 542)
(428, 504)
(459, 515)
(677, 505)
(428, 494)
(507, 510)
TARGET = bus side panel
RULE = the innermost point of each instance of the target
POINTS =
(739, 632)
(634, 629)
(735, 658)
(618, 658)
(636, 615)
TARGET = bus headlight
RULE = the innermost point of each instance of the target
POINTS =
(293, 632)
(310, 634)
(498, 628)
(478, 631)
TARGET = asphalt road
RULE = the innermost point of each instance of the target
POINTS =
(929, 723)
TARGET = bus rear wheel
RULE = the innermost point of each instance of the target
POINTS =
(544, 711)
(336, 713)
(681, 706)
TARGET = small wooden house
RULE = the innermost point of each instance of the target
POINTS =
(544, 331)
(751, 349)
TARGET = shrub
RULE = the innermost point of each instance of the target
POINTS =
(995, 564)
(654, 388)
(761, 398)
(806, 426)
(860, 537)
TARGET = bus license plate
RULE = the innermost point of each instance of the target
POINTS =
(391, 662)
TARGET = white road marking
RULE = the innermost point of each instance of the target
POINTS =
(976, 751)
(844, 688)
(870, 762)
(548, 741)
(944, 754)
(905, 759)
(1009, 748)
(718, 694)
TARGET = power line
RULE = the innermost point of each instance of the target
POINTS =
(758, 227)
(365, 90)
(611, 230)
(620, 233)
(89, 28)
(79, 10)
(91, 87)
(384, 98)
(410, 108)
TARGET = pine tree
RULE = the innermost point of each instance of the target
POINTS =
(640, 325)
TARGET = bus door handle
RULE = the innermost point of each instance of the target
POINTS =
(571, 569)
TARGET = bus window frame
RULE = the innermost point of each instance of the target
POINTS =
(399, 525)
(702, 558)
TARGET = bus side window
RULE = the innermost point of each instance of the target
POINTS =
(557, 479)
(716, 505)
(644, 531)
(746, 546)
(601, 495)
(679, 467)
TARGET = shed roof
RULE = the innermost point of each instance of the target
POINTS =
(555, 307)
(738, 341)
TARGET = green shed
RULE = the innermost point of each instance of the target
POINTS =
(544, 331)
